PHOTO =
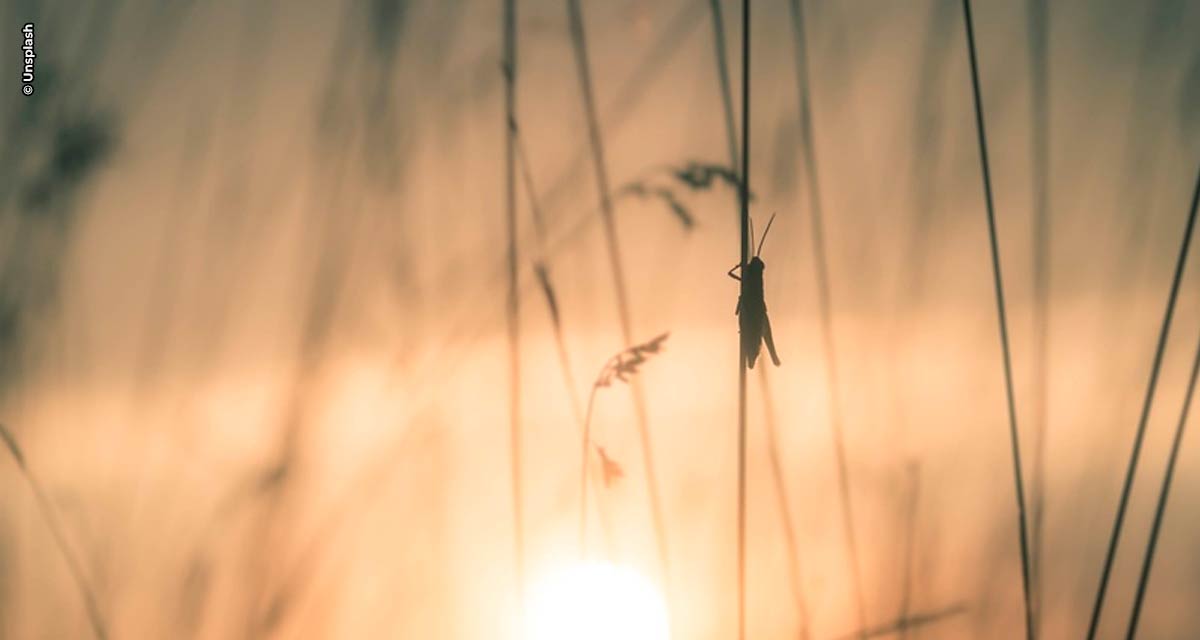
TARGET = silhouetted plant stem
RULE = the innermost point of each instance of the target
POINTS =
(910, 535)
(623, 366)
(929, 125)
(718, 23)
(583, 466)
(513, 300)
(1147, 404)
(777, 475)
(579, 40)
(627, 96)
(1040, 111)
(825, 306)
(1163, 494)
(1002, 317)
(328, 277)
(542, 272)
(784, 502)
(744, 249)
(50, 517)
(1141, 151)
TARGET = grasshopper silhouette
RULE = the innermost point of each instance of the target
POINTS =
(753, 323)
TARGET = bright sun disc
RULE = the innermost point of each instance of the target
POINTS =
(596, 601)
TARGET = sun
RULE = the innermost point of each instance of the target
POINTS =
(596, 601)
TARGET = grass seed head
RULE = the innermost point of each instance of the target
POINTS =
(628, 362)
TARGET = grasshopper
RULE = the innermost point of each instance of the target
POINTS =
(753, 324)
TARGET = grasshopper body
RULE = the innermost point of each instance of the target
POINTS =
(753, 324)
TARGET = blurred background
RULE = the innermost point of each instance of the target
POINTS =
(254, 314)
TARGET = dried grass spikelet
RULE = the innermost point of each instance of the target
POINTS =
(700, 176)
(609, 467)
(646, 191)
(695, 176)
(626, 363)
(621, 367)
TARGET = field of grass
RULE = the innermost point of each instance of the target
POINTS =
(360, 319)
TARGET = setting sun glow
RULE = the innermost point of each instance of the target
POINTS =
(596, 601)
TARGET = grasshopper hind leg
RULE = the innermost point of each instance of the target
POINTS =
(769, 339)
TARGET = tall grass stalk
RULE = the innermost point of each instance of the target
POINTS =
(328, 279)
(541, 269)
(928, 124)
(783, 498)
(784, 502)
(910, 536)
(1147, 404)
(825, 304)
(267, 605)
(513, 299)
(1002, 317)
(744, 241)
(628, 96)
(720, 55)
(586, 444)
(1163, 494)
(1142, 144)
(612, 244)
(1038, 17)
(623, 366)
(50, 517)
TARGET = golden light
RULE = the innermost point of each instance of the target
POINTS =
(596, 601)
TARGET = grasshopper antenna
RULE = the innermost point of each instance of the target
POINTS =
(764, 235)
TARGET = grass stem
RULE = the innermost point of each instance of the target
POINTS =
(99, 629)
(825, 306)
(1163, 494)
(1038, 16)
(784, 502)
(1143, 420)
(612, 244)
(1002, 317)
(513, 298)
(744, 249)
(782, 495)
